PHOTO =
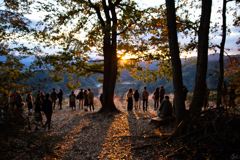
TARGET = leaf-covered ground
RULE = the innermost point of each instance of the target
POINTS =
(77, 134)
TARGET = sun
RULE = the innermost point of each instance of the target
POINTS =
(126, 57)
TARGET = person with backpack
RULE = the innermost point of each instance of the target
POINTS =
(90, 99)
(156, 98)
(136, 98)
(47, 109)
(60, 98)
(29, 102)
(54, 97)
(80, 98)
(72, 101)
(145, 95)
(162, 93)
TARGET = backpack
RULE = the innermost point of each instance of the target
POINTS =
(145, 94)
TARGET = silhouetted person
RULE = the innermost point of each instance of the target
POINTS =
(162, 93)
(60, 98)
(130, 99)
(42, 95)
(38, 113)
(18, 99)
(47, 109)
(54, 97)
(136, 98)
(90, 99)
(145, 95)
(80, 98)
(29, 101)
(156, 98)
(72, 101)
(165, 108)
(101, 99)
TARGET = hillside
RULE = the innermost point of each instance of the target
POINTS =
(127, 81)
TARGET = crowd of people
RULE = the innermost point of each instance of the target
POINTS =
(85, 98)
(161, 101)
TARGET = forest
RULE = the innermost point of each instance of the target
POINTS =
(110, 46)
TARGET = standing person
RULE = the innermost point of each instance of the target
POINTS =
(85, 96)
(38, 94)
(165, 108)
(130, 99)
(185, 91)
(162, 93)
(38, 113)
(29, 102)
(60, 98)
(156, 98)
(145, 95)
(80, 98)
(18, 100)
(101, 99)
(12, 100)
(47, 109)
(72, 101)
(136, 98)
(54, 97)
(42, 95)
(90, 99)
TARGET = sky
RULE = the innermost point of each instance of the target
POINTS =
(230, 40)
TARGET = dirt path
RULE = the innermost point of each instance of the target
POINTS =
(90, 135)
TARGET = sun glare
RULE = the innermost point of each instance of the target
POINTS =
(126, 57)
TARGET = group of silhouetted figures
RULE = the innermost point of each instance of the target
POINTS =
(85, 99)
(47, 103)
(161, 101)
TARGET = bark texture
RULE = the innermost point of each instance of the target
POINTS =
(176, 62)
(221, 63)
(202, 59)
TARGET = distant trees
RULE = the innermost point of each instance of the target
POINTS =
(15, 30)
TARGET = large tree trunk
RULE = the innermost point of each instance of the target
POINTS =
(221, 69)
(176, 62)
(202, 59)
(110, 77)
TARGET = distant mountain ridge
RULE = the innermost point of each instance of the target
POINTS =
(127, 81)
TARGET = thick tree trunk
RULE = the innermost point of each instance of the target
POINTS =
(202, 59)
(221, 69)
(176, 62)
(110, 77)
